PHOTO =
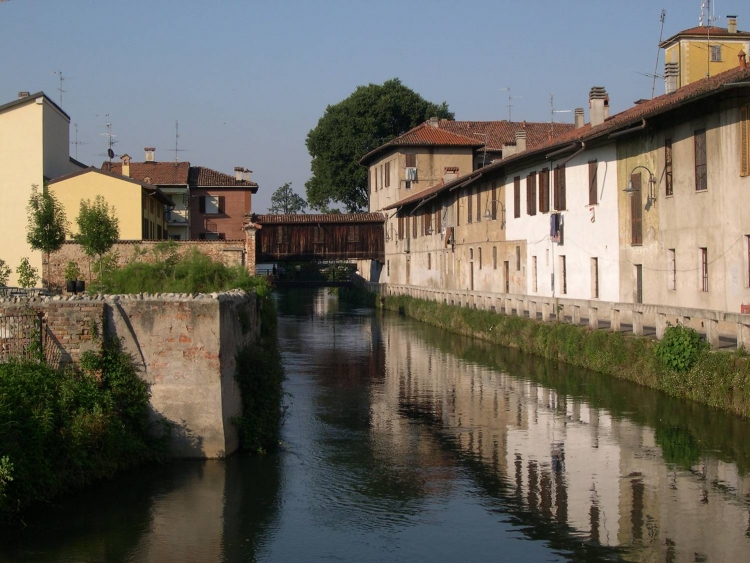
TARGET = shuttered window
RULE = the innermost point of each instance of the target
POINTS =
(517, 196)
(745, 141)
(411, 160)
(387, 181)
(439, 219)
(668, 181)
(531, 194)
(636, 211)
(479, 204)
(593, 183)
(493, 203)
(560, 199)
(400, 228)
(414, 227)
(701, 172)
(544, 190)
(469, 206)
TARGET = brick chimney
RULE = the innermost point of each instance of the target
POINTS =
(149, 154)
(598, 105)
(125, 165)
(743, 58)
(238, 173)
(434, 121)
(580, 120)
(450, 173)
(520, 140)
(732, 24)
(246, 175)
(671, 76)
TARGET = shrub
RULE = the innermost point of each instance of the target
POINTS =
(28, 275)
(72, 271)
(5, 272)
(680, 348)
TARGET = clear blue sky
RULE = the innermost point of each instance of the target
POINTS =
(247, 80)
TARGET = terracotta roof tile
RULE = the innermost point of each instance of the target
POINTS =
(320, 218)
(158, 173)
(202, 177)
(499, 133)
(706, 31)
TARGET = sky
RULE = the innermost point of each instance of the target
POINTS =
(247, 80)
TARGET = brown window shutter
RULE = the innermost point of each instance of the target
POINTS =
(544, 190)
(593, 183)
(202, 204)
(414, 226)
(701, 169)
(531, 194)
(745, 141)
(636, 210)
(439, 219)
(517, 197)
(493, 204)
(560, 188)
(668, 182)
(411, 160)
(479, 205)
(400, 228)
(221, 204)
(387, 174)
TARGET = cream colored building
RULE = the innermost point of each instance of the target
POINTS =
(34, 147)
(138, 207)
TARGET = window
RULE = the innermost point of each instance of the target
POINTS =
(531, 194)
(668, 184)
(560, 203)
(518, 258)
(517, 196)
(595, 278)
(401, 227)
(493, 203)
(479, 250)
(469, 206)
(411, 172)
(636, 211)
(701, 172)
(703, 256)
(479, 205)
(387, 182)
(457, 209)
(593, 183)
(544, 190)
(411, 160)
(671, 270)
(563, 275)
(439, 219)
(429, 261)
(414, 227)
(533, 274)
(715, 53)
(745, 141)
(211, 204)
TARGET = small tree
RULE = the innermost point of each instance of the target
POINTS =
(284, 200)
(5, 272)
(28, 275)
(98, 228)
(47, 223)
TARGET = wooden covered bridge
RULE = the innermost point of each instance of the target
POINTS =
(300, 238)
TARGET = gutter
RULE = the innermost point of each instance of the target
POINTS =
(562, 150)
(421, 203)
(640, 127)
(466, 182)
(572, 156)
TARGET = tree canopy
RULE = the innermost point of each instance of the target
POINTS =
(98, 227)
(371, 116)
(285, 201)
(47, 224)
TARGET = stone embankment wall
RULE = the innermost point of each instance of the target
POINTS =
(229, 252)
(184, 345)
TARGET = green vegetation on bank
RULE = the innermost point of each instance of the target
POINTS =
(681, 365)
(61, 430)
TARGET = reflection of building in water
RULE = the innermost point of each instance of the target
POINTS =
(603, 476)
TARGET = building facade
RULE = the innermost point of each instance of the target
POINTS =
(219, 203)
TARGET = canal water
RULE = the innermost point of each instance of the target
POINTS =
(403, 442)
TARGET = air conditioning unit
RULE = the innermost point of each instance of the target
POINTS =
(411, 174)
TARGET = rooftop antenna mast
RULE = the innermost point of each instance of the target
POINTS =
(110, 142)
(510, 101)
(710, 18)
(60, 88)
(552, 112)
(662, 17)
(77, 142)
(176, 141)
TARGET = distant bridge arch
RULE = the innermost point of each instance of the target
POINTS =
(318, 237)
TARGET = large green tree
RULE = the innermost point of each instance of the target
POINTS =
(371, 116)
(284, 200)
(98, 228)
(47, 223)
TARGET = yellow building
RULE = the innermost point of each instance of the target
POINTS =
(139, 207)
(700, 52)
(34, 146)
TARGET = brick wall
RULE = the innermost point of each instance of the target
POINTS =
(229, 223)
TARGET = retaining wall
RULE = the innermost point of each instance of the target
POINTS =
(184, 346)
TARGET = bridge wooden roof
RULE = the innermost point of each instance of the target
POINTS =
(320, 218)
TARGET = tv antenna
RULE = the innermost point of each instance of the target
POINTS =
(77, 142)
(176, 141)
(552, 112)
(510, 101)
(110, 142)
(60, 87)
(710, 19)
(662, 17)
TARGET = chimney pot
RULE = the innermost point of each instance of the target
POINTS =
(598, 105)
(125, 165)
(732, 24)
(246, 175)
(579, 118)
(743, 58)
(520, 140)
(434, 121)
(22, 95)
(238, 171)
(149, 153)
(450, 173)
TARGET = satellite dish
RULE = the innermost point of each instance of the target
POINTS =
(110, 153)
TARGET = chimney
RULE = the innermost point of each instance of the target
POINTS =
(149, 153)
(598, 101)
(743, 59)
(671, 75)
(580, 121)
(450, 173)
(22, 95)
(434, 121)
(238, 172)
(125, 165)
(520, 140)
(246, 175)
(732, 24)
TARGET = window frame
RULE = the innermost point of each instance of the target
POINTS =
(700, 149)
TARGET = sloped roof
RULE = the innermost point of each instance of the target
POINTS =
(31, 98)
(631, 117)
(158, 173)
(320, 218)
(152, 190)
(499, 133)
(202, 177)
(706, 31)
